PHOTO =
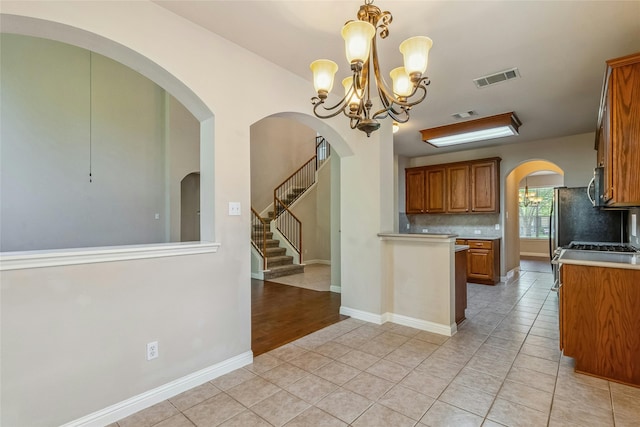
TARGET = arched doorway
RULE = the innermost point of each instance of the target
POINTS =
(534, 245)
(190, 208)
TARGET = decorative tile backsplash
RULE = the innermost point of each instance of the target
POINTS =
(478, 225)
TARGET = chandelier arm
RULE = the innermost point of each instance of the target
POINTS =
(317, 102)
(383, 88)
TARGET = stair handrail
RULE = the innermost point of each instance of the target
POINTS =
(289, 226)
(304, 177)
(261, 231)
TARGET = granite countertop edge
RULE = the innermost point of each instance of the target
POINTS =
(600, 259)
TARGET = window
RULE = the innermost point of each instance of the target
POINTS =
(534, 210)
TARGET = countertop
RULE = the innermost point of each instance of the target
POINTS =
(457, 236)
(461, 248)
(418, 235)
(478, 237)
(600, 259)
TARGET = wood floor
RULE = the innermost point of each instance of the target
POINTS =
(281, 313)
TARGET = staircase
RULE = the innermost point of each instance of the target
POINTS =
(277, 262)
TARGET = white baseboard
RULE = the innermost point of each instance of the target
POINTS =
(379, 319)
(535, 254)
(511, 275)
(259, 275)
(424, 325)
(149, 398)
(317, 261)
(362, 315)
(336, 289)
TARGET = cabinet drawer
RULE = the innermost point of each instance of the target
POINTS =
(480, 244)
(461, 242)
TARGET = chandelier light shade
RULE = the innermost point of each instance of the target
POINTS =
(357, 37)
(408, 87)
(323, 73)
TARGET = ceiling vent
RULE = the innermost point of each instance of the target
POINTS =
(498, 77)
(464, 115)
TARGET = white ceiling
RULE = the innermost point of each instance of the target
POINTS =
(560, 48)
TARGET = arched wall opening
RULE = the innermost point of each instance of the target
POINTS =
(281, 143)
(28, 26)
(511, 206)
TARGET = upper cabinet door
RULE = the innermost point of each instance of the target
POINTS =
(484, 186)
(458, 189)
(415, 191)
(454, 188)
(436, 181)
(624, 132)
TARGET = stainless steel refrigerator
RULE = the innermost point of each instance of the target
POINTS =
(574, 218)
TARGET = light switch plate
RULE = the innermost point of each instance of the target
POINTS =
(234, 208)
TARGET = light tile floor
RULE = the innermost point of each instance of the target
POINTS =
(503, 368)
(316, 277)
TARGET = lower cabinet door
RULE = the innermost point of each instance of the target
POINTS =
(479, 263)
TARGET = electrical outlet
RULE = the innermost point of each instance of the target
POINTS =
(425, 230)
(152, 350)
(408, 226)
(497, 226)
(477, 231)
(634, 225)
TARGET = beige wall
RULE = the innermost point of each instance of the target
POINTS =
(206, 296)
(534, 247)
(67, 113)
(279, 146)
(183, 157)
(313, 209)
(96, 319)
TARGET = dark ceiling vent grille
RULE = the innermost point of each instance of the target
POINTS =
(498, 77)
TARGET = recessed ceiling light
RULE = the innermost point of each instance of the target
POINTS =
(492, 127)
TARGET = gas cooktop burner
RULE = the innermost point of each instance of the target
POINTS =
(605, 247)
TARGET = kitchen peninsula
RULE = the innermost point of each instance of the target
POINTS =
(418, 281)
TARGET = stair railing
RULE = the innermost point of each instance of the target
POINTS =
(298, 182)
(291, 189)
(259, 228)
(323, 151)
(289, 227)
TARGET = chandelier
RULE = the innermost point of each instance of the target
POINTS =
(529, 199)
(408, 86)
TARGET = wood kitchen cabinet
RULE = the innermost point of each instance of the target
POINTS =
(483, 260)
(600, 320)
(458, 188)
(454, 188)
(425, 192)
(618, 133)
(415, 190)
(484, 187)
(435, 183)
